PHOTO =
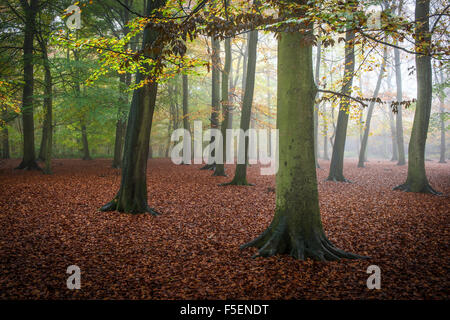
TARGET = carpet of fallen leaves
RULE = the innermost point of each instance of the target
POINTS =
(192, 250)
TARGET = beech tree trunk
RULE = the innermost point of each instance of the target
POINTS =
(240, 175)
(337, 157)
(5, 138)
(416, 180)
(132, 195)
(220, 167)
(399, 115)
(296, 228)
(215, 93)
(316, 108)
(363, 149)
(29, 156)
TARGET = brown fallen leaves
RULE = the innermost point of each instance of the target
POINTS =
(191, 251)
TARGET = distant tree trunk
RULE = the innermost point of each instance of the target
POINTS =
(132, 195)
(442, 121)
(220, 167)
(5, 138)
(185, 105)
(393, 136)
(296, 228)
(215, 93)
(416, 180)
(29, 156)
(84, 141)
(316, 108)
(240, 175)
(337, 157)
(363, 149)
(399, 116)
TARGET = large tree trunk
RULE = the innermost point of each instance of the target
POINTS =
(132, 195)
(220, 167)
(363, 149)
(416, 180)
(337, 157)
(29, 156)
(240, 175)
(121, 124)
(215, 93)
(296, 228)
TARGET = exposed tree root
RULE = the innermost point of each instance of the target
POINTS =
(406, 187)
(31, 165)
(281, 240)
(142, 209)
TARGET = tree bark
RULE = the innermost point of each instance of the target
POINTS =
(296, 228)
(29, 156)
(416, 180)
(185, 105)
(215, 93)
(220, 167)
(363, 150)
(132, 195)
(337, 157)
(240, 175)
(316, 108)
(399, 115)
(5, 138)
(442, 121)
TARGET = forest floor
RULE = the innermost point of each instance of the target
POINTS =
(192, 250)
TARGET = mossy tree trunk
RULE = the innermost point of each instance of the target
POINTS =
(132, 195)
(240, 175)
(363, 149)
(220, 167)
(29, 155)
(416, 180)
(337, 156)
(296, 228)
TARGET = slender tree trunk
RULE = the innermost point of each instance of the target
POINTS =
(215, 93)
(29, 156)
(442, 121)
(84, 141)
(5, 138)
(399, 115)
(363, 149)
(132, 195)
(337, 157)
(185, 105)
(393, 136)
(240, 175)
(316, 108)
(296, 228)
(46, 145)
(220, 167)
(416, 180)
